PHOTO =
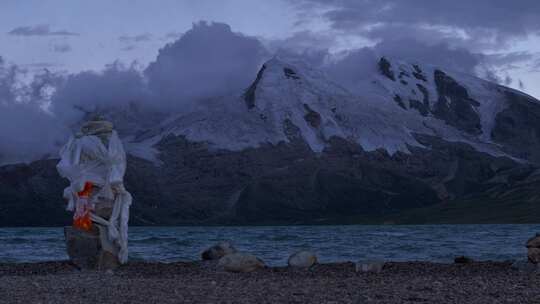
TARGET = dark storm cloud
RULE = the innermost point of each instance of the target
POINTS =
(309, 47)
(135, 38)
(39, 30)
(303, 40)
(208, 60)
(427, 30)
(461, 35)
(424, 34)
(88, 91)
(313, 48)
(499, 19)
(26, 130)
(352, 66)
(440, 54)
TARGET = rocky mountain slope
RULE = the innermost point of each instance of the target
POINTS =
(406, 145)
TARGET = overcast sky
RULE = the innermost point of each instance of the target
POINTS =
(499, 38)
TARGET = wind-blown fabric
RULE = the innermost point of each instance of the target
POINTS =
(86, 159)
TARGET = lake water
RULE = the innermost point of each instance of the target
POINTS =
(274, 244)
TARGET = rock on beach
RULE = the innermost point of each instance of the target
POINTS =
(240, 262)
(370, 266)
(533, 249)
(302, 259)
(218, 251)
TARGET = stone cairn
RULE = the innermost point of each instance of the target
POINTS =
(87, 242)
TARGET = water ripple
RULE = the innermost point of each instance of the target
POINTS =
(274, 244)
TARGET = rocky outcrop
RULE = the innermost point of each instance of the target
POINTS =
(385, 67)
(290, 73)
(399, 101)
(249, 95)
(312, 117)
(517, 126)
(454, 104)
(421, 107)
(418, 74)
(533, 249)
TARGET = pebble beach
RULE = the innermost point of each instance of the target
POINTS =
(202, 282)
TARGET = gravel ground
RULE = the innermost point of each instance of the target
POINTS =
(412, 282)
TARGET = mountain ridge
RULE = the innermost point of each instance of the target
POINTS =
(295, 147)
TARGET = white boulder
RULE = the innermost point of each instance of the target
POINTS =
(304, 259)
(240, 262)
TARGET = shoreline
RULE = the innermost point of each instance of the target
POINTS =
(202, 282)
(315, 223)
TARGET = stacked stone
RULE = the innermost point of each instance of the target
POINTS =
(533, 249)
(91, 249)
(86, 250)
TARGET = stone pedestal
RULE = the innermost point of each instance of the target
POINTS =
(86, 251)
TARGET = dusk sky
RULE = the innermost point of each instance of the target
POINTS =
(497, 39)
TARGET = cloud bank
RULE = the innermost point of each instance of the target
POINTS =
(208, 60)
(460, 34)
(27, 131)
(135, 38)
(480, 21)
(61, 48)
(39, 30)
(212, 60)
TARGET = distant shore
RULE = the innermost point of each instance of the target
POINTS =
(198, 282)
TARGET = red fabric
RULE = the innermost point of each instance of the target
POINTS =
(82, 219)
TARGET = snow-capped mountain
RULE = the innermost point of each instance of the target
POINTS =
(297, 147)
(385, 112)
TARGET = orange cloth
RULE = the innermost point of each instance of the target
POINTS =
(81, 218)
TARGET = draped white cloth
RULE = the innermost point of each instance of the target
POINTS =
(86, 159)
